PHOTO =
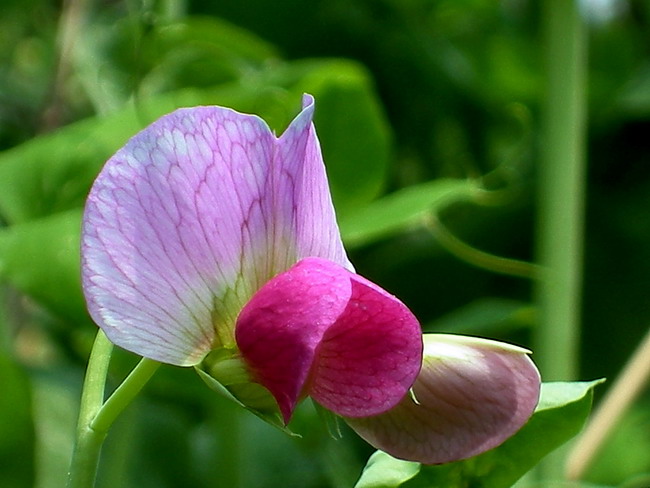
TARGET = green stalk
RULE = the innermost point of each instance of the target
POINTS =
(124, 395)
(561, 196)
(476, 257)
(85, 457)
(95, 415)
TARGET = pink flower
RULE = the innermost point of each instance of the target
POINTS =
(208, 241)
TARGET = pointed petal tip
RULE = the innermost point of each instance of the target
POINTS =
(436, 340)
(287, 405)
(301, 125)
(307, 101)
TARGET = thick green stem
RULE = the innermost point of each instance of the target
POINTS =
(88, 445)
(561, 191)
(561, 195)
(95, 416)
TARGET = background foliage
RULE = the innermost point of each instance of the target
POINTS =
(415, 100)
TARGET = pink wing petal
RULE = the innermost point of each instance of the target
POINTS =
(194, 215)
(472, 395)
(321, 330)
(280, 328)
(370, 357)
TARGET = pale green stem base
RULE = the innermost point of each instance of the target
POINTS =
(95, 415)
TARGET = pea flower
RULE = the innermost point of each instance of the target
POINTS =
(209, 242)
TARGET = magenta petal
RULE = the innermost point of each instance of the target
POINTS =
(191, 217)
(472, 395)
(280, 328)
(323, 331)
(370, 357)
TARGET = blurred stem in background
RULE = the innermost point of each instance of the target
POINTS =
(481, 259)
(612, 408)
(561, 199)
(70, 22)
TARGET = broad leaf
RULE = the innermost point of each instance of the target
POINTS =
(41, 258)
(397, 211)
(353, 130)
(562, 410)
(486, 316)
(17, 428)
(120, 59)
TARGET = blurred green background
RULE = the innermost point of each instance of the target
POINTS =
(416, 100)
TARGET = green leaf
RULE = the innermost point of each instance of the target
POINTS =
(485, 316)
(354, 133)
(41, 259)
(562, 410)
(56, 404)
(384, 471)
(17, 428)
(123, 57)
(53, 172)
(330, 420)
(395, 212)
(201, 51)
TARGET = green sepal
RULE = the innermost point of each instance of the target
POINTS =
(331, 421)
(270, 416)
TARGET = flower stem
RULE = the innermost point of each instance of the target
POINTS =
(95, 415)
(124, 394)
(85, 456)
(561, 197)
(561, 190)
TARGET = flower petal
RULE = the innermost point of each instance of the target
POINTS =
(321, 330)
(303, 200)
(472, 394)
(280, 328)
(194, 215)
(371, 355)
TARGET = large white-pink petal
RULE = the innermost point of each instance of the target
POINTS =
(191, 217)
(309, 212)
